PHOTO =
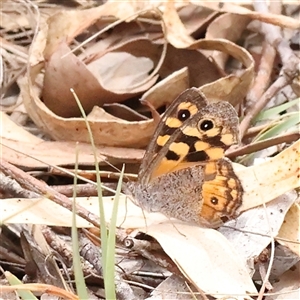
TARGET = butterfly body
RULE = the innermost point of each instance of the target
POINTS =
(184, 173)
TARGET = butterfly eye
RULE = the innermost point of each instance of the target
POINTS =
(183, 114)
(206, 125)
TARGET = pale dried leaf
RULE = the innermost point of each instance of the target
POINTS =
(168, 89)
(284, 259)
(252, 231)
(131, 216)
(192, 249)
(287, 286)
(115, 74)
(37, 211)
(290, 229)
(279, 20)
(11, 131)
(196, 18)
(231, 88)
(37, 153)
(225, 27)
(175, 288)
(176, 33)
(273, 178)
(107, 131)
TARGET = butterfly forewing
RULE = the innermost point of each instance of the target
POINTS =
(191, 132)
(182, 109)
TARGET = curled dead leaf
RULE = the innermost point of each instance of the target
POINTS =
(53, 108)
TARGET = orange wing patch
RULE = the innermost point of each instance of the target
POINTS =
(221, 191)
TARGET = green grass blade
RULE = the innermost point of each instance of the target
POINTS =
(101, 206)
(79, 278)
(286, 124)
(274, 111)
(110, 258)
(24, 294)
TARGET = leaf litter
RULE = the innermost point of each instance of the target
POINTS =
(112, 55)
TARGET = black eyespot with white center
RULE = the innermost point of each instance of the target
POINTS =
(206, 125)
(183, 114)
(214, 201)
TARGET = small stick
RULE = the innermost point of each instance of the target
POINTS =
(289, 60)
(263, 75)
(286, 138)
(32, 184)
(256, 108)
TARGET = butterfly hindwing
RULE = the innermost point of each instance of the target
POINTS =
(221, 192)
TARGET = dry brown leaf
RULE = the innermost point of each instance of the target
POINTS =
(121, 71)
(168, 89)
(38, 153)
(287, 286)
(108, 131)
(65, 72)
(65, 25)
(225, 27)
(290, 230)
(201, 69)
(119, 35)
(210, 257)
(124, 112)
(137, 51)
(178, 36)
(72, 73)
(196, 18)
(176, 33)
(279, 20)
(263, 222)
(232, 88)
(261, 183)
(270, 179)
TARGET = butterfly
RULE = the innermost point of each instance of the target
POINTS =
(184, 173)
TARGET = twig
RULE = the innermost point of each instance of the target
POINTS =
(253, 131)
(12, 187)
(287, 138)
(262, 79)
(32, 184)
(289, 60)
(280, 83)
(274, 37)
(82, 190)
